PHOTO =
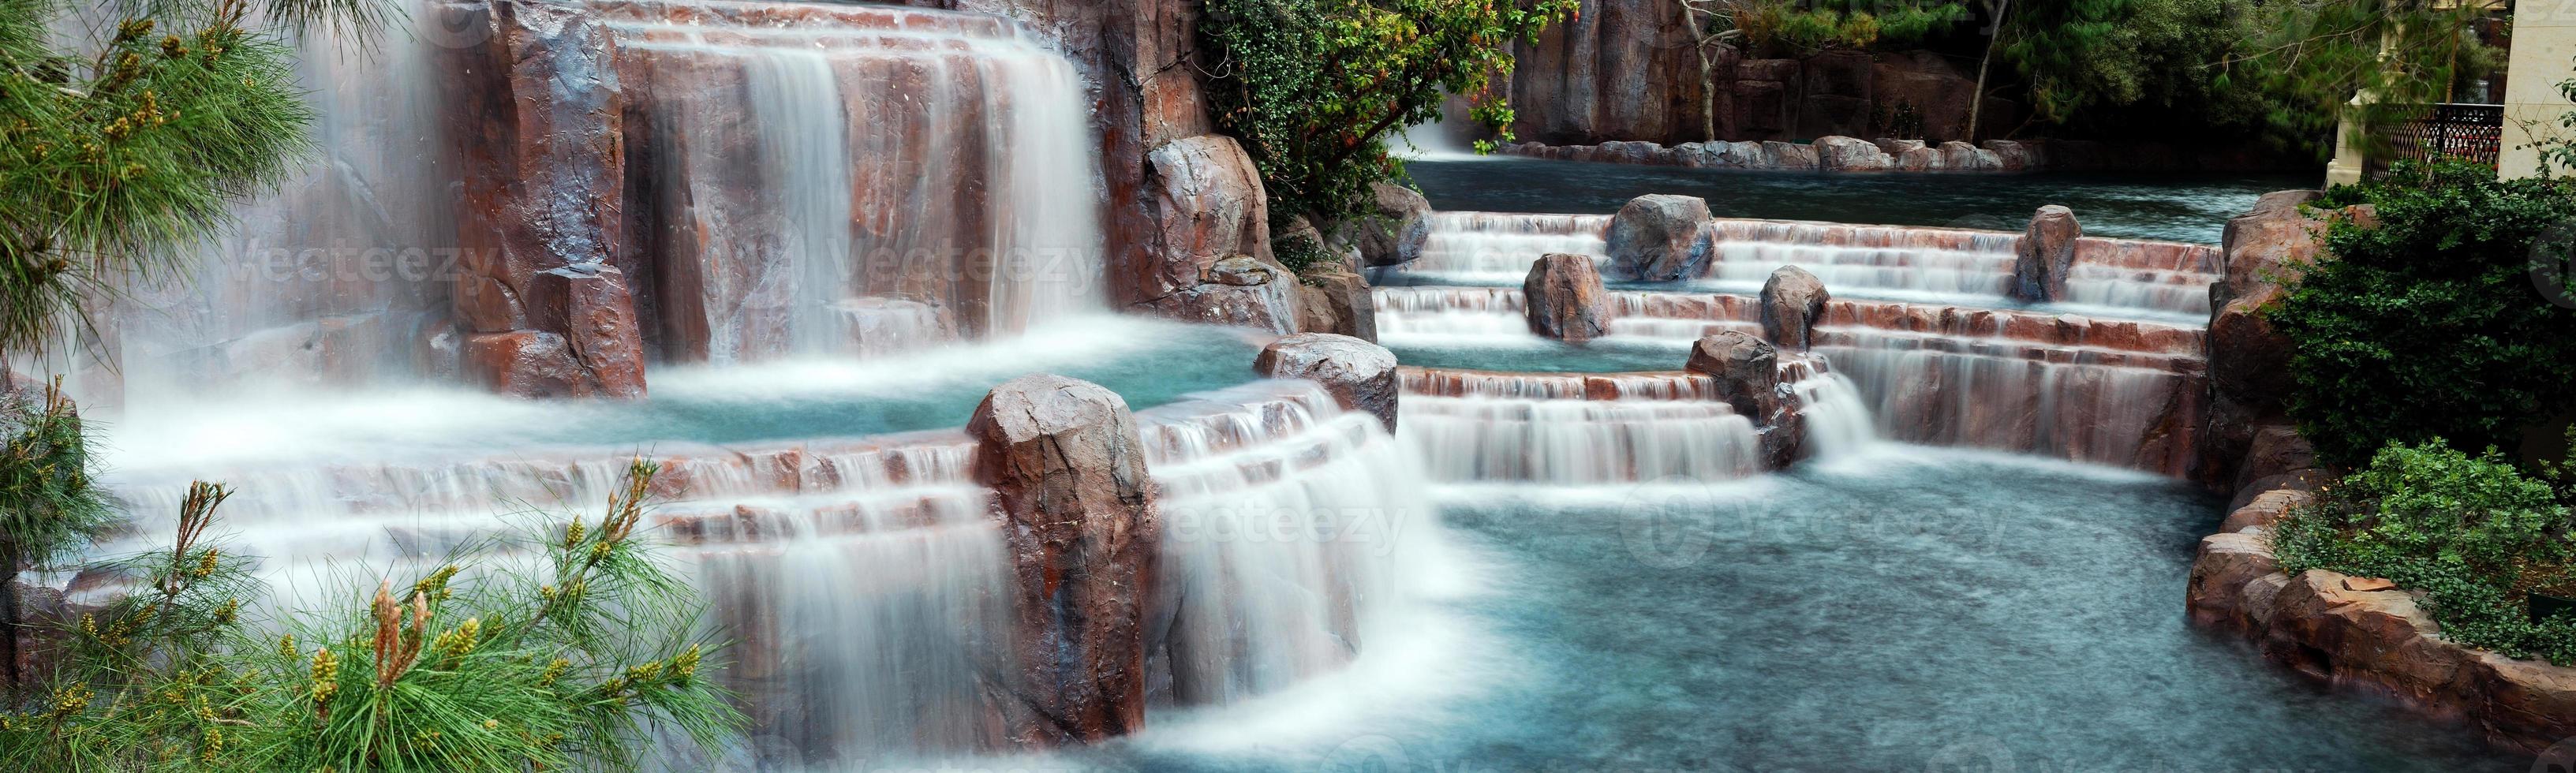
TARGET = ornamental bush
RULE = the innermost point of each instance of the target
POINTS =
(2474, 532)
(1314, 87)
(2434, 325)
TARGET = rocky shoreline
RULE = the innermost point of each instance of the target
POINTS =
(2353, 631)
(1852, 154)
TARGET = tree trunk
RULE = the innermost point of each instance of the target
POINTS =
(9, 629)
(1977, 99)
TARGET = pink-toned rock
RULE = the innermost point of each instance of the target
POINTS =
(2045, 254)
(1562, 298)
(525, 363)
(1334, 299)
(1659, 238)
(1211, 205)
(1359, 374)
(1239, 291)
(1792, 301)
(1746, 368)
(2265, 510)
(2227, 565)
(2367, 584)
(1393, 231)
(1068, 476)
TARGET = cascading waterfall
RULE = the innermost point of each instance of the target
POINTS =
(1574, 430)
(2086, 412)
(1487, 247)
(1291, 530)
(1881, 260)
(920, 178)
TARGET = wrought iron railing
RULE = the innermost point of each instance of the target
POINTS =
(2466, 132)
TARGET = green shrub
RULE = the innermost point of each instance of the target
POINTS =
(2429, 326)
(1314, 87)
(568, 649)
(2473, 532)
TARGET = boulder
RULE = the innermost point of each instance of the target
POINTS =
(1335, 299)
(1747, 371)
(1393, 232)
(1848, 154)
(1241, 291)
(1068, 475)
(2249, 361)
(2276, 449)
(1963, 157)
(1792, 300)
(2228, 565)
(1360, 375)
(1789, 155)
(1563, 298)
(2045, 254)
(526, 363)
(1211, 207)
(2266, 509)
(1660, 237)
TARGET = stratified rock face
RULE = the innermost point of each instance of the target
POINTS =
(1792, 301)
(1241, 291)
(1395, 235)
(1335, 299)
(1068, 474)
(1660, 237)
(1620, 70)
(1563, 298)
(1359, 374)
(1747, 370)
(2046, 252)
(545, 167)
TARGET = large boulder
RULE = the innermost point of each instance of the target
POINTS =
(2262, 250)
(1849, 154)
(1068, 475)
(1360, 375)
(1746, 368)
(1393, 231)
(1335, 299)
(1209, 198)
(2226, 587)
(1238, 290)
(1792, 301)
(1660, 237)
(1563, 298)
(2044, 255)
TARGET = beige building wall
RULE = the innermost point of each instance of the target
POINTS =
(2544, 53)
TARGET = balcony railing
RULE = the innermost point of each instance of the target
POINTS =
(2466, 132)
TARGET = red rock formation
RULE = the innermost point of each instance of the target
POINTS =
(1792, 301)
(1747, 371)
(1659, 237)
(1335, 299)
(2045, 254)
(1563, 298)
(535, 110)
(1068, 474)
(1360, 374)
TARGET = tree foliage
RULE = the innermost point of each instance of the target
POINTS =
(1314, 87)
(2473, 531)
(564, 649)
(2374, 62)
(119, 149)
(50, 503)
(2430, 325)
(1796, 27)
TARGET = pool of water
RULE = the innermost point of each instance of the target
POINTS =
(1149, 362)
(1911, 609)
(2179, 207)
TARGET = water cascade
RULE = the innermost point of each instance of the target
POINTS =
(1573, 430)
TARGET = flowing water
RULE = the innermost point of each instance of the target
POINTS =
(853, 220)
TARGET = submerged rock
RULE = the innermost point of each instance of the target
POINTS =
(2044, 255)
(1792, 300)
(1360, 375)
(1563, 298)
(1068, 476)
(1660, 237)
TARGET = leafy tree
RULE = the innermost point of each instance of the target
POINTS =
(2376, 62)
(2475, 532)
(1797, 27)
(562, 649)
(114, 150)
(50, 503)
(1314, 87)
(2429, 326)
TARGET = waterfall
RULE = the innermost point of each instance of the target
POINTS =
(1574, 430)
(1291, 529)
(1838, 417)
(921, 178)
(1487, 247)
(1881, 261)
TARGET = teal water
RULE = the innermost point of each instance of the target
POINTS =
(1916, 609)
(2180, 207)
